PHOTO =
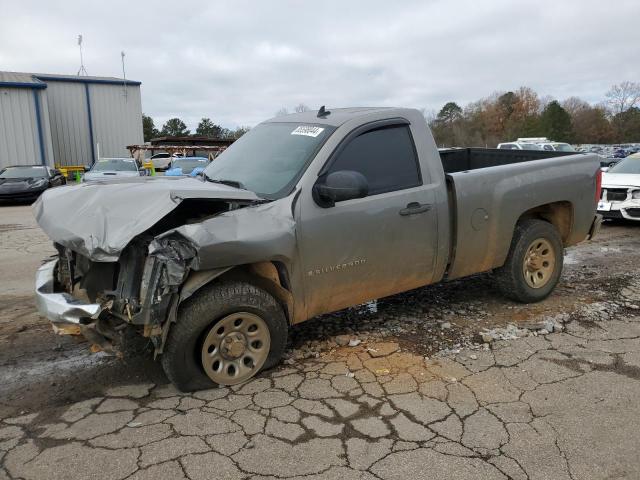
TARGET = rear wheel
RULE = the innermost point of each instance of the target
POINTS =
(225, 334)
(534, 264)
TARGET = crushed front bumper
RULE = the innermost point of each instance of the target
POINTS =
(63, 310)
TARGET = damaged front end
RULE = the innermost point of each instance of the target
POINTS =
(119, 267)
(98, 300)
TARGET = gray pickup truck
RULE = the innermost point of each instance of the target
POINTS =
(306, 214)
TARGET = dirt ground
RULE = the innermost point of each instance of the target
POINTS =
(393, 414)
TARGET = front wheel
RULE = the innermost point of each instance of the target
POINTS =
(225, 334)
(534, 264)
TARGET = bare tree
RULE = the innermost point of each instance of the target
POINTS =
(282, 111)
(301, 107)
(573, 105)
(623, 96)
(545, 100)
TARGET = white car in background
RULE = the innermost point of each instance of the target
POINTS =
(621, 190)
(518, 146)
(537, 143)
(556, 147)
(107, 168)
(161, 161)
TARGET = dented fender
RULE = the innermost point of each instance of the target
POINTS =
(248, 235)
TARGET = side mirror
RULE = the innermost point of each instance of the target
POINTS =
(339, 186)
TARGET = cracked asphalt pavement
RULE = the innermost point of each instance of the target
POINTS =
(418, 397)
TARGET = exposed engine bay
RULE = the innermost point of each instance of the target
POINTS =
(142, 288)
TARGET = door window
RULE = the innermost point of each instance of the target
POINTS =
(385, 156)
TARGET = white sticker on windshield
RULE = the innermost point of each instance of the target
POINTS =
(308, 131)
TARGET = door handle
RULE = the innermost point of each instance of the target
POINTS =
(414, 208)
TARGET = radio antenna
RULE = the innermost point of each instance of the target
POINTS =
(82, 71)
(124, 77)
(323, 112)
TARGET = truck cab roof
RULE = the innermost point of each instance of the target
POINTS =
(335, 116)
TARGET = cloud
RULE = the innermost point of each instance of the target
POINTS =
(238, 62)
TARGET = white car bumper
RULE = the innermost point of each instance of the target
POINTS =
(626, 209)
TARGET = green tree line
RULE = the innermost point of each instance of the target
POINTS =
(505, 116)
(175, 127)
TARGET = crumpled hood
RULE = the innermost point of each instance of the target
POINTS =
(620, 180)
(100, 219)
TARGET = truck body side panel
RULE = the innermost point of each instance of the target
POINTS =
(489, 201)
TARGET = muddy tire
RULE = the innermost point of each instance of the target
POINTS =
(237, 325)
(534, 264)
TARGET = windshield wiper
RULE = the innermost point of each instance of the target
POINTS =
(231, 183)
(235, 184)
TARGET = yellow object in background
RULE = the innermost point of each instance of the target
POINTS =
(149, 166)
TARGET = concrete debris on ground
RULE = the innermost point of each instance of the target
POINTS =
(512, 331)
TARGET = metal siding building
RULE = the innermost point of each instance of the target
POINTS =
(108, 102)
(72, 143)
(58, 119)
(23, 139)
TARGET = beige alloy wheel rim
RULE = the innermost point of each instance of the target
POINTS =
(235, 348)
(539, 263)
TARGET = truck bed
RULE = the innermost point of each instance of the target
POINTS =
(464, 159)
(489, 189)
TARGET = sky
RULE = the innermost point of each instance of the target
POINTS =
(239, 62)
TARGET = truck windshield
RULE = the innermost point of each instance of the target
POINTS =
(270, 158)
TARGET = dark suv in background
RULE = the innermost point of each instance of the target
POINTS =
(27, 182)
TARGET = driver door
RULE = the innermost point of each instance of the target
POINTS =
(366, 248)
